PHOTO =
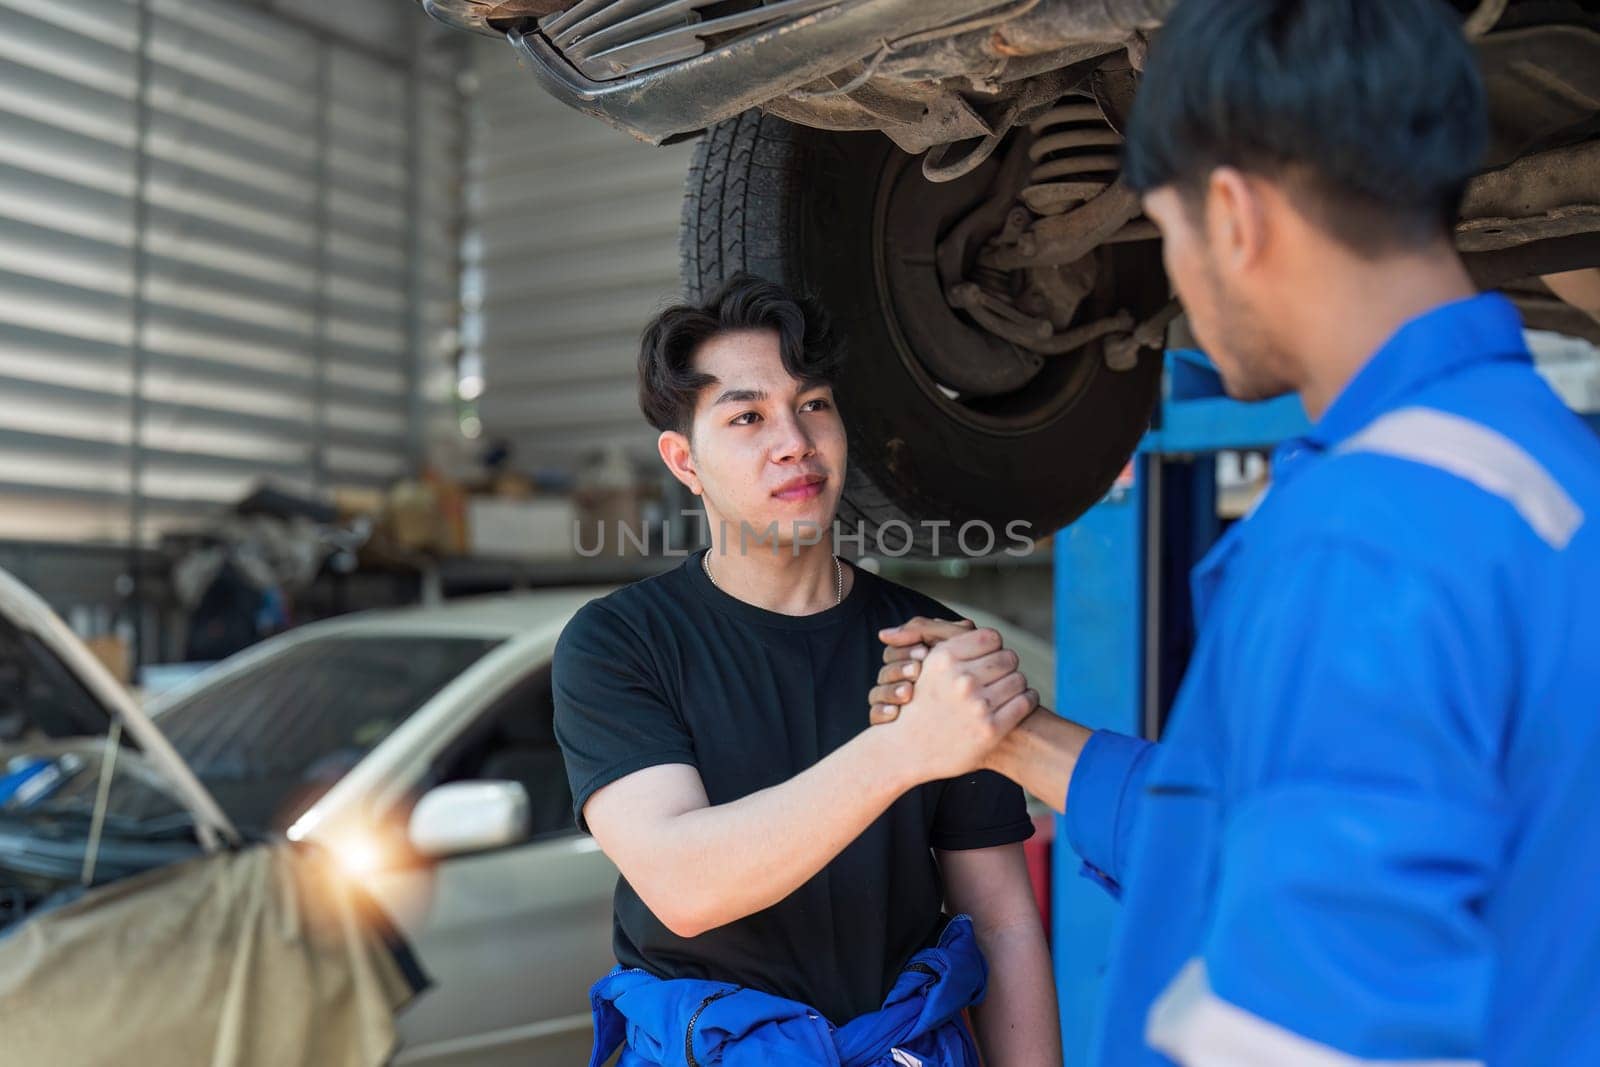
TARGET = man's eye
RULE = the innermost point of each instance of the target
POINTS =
(818, 404)
(747, 419)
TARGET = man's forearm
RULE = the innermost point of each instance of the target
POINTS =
(724, 862)
(1017, 1023)
(1041, 754)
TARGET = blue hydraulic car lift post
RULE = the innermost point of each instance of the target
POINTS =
(1123, 625)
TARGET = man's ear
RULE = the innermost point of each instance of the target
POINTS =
(1236, 220)
(676, 454)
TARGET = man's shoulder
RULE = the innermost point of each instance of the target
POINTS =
(628, 611)
(1431, 475)
(668, 586)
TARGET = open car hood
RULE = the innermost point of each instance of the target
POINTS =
(27, 613)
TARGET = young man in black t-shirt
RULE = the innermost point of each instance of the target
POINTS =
(712, 717)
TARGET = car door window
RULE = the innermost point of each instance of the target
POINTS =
(515, 741)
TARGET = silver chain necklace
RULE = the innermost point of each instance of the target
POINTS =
(838, 577)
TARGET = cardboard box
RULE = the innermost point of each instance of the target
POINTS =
(617, 515)
(426, 516)
(538, 528)
(411, 517)
(112, 652)
(358, 503)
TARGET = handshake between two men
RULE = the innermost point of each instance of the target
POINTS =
(957, 698)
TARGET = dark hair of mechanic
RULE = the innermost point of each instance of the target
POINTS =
(1370, 111)
(668, 382)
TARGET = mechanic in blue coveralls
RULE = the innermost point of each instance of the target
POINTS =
(1372, 829)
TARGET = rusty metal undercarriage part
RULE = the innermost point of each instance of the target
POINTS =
(956, 90)
(1024, 274)
(1036, 334)
(487, 17)
(1540, 197)
(1024, 264)
(1026, 280)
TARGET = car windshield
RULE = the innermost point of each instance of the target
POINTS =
(269, 740)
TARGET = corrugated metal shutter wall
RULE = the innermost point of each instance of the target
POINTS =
(571, 246)
(209, 272)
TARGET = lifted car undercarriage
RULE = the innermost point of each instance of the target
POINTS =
(1009, 272)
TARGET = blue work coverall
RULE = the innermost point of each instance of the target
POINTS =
(1372, 829)
(688, 1022)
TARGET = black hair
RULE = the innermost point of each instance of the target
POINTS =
(668, 381)
(1372, 112)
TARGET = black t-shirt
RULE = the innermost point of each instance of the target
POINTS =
(673, 670)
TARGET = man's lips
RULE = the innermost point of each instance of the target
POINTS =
(801, 489)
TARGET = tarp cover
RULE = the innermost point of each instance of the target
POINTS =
(265, 957)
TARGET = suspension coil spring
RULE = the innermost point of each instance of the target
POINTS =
(1075, 154)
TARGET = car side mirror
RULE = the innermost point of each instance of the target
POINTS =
(463, 817)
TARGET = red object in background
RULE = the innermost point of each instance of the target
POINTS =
(1037, 851)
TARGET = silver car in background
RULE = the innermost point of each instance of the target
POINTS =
(417, 746)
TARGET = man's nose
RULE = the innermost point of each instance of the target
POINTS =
(793, 443)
